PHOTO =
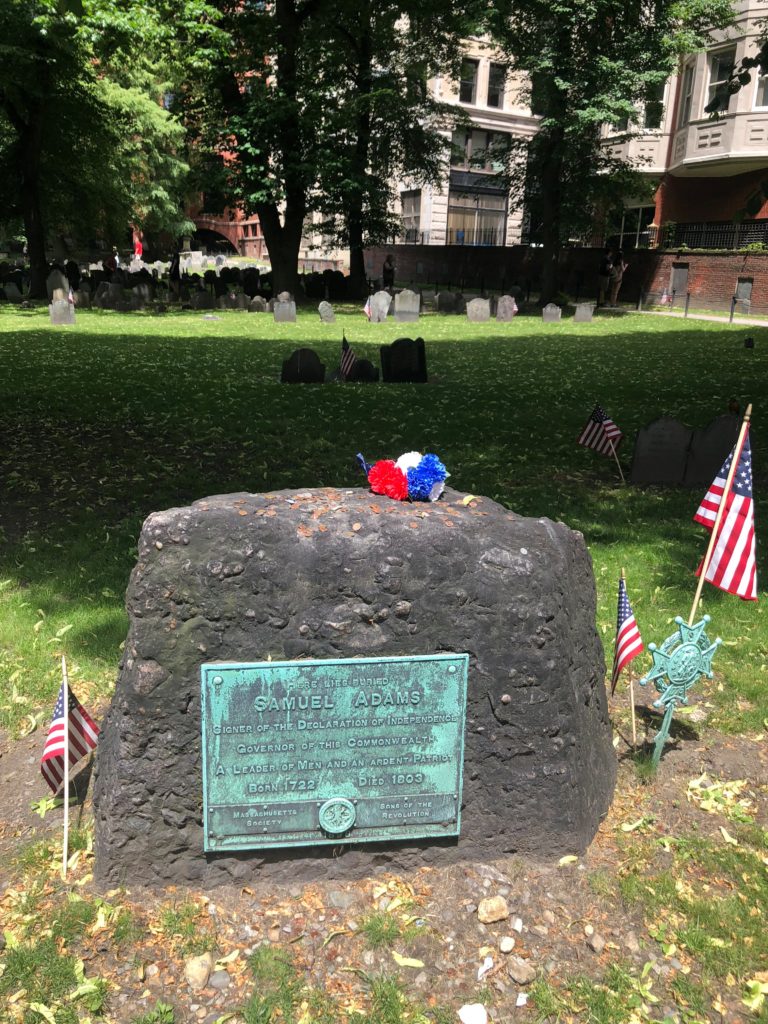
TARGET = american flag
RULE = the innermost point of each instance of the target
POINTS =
(600, 433)
(732, 566)
(629, 643)
(367, 307)
(83, 735)
(348, 359)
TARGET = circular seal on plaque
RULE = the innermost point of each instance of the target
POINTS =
(337, 816)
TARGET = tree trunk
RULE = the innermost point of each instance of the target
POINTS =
(358, 281)
(283, 241)
(550, 168)
(30, 146)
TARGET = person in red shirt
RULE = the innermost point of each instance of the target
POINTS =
(138, 249)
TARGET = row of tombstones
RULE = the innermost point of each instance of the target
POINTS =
(402, 362)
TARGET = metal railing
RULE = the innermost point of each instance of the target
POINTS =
(714, 235)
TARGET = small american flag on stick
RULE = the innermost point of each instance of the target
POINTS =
(348, 358)
(600, 433)
(629, 643)
(83, 735)
(732, 564)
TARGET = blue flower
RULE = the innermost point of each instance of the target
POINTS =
(425, 480)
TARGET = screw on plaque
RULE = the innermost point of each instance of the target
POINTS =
(681, 659)
(337, 816)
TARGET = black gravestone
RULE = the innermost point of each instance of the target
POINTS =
(710, 447)
(303, 367)
(661, 452)
(404, 362)
(363, 372)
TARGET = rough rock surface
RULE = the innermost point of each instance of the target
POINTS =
(343, 573)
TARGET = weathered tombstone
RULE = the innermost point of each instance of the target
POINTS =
(428, 296)
(241, 301)
(141, 295)
(506, 308)
(661, 452)
(82, 298)
(551, 313)
(404, 362)
(57, 285)
(284, 297)
(323, 575)
(258, 304)
(709, 449)
(380, 303)
(62, 312)
(12, 292)
(461, 303)
(284, 312)
(203, 300)
(363, 372)
(584, 311)
(325, 309)
(478, 311)
(407, 306)
(446, 302)
(303, 367)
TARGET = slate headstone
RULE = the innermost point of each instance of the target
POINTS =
(62, 312)
(82, 298)
(461, 302)
(710, 447)
(12, 292)
(202, 300)
(478, 311)
(661, 452)
(284, 297)
(506, 308)
(380, 303)
(284, 312)
(303, 367)
(446, 302)
(551, 313)
(258, 304)
(404, 362)
(363, 372)
(584, 311)
(325, 309)
(407, 305)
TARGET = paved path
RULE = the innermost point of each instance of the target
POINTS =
(737, 322)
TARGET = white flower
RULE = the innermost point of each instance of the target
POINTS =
(409, 461)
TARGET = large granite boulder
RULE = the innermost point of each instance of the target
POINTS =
(339, 574)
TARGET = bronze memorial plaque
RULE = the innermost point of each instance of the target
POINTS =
(298, 753)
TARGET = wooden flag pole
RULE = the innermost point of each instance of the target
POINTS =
(618, 464)
(65, 691)
(720, 512)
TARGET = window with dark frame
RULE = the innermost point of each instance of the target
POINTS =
(497, 77)
(468, 82)
(686, 96)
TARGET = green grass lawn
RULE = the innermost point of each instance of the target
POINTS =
(125, 414)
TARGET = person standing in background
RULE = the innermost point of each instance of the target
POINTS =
(617, 275)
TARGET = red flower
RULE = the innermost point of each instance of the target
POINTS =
(386, 478)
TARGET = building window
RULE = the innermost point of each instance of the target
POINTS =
(635, 227)
(761, 97)
(480, 151)
(468, 84)
(686, 96)
(410, 204)
(721, 64)
(475, 218)
(653, 110)
(497, 76)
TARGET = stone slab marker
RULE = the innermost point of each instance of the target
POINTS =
(339, 574)
(407, 305)
(380, 304)
(478, 311)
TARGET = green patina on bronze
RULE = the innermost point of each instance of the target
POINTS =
(322, 752)
(681, 660)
